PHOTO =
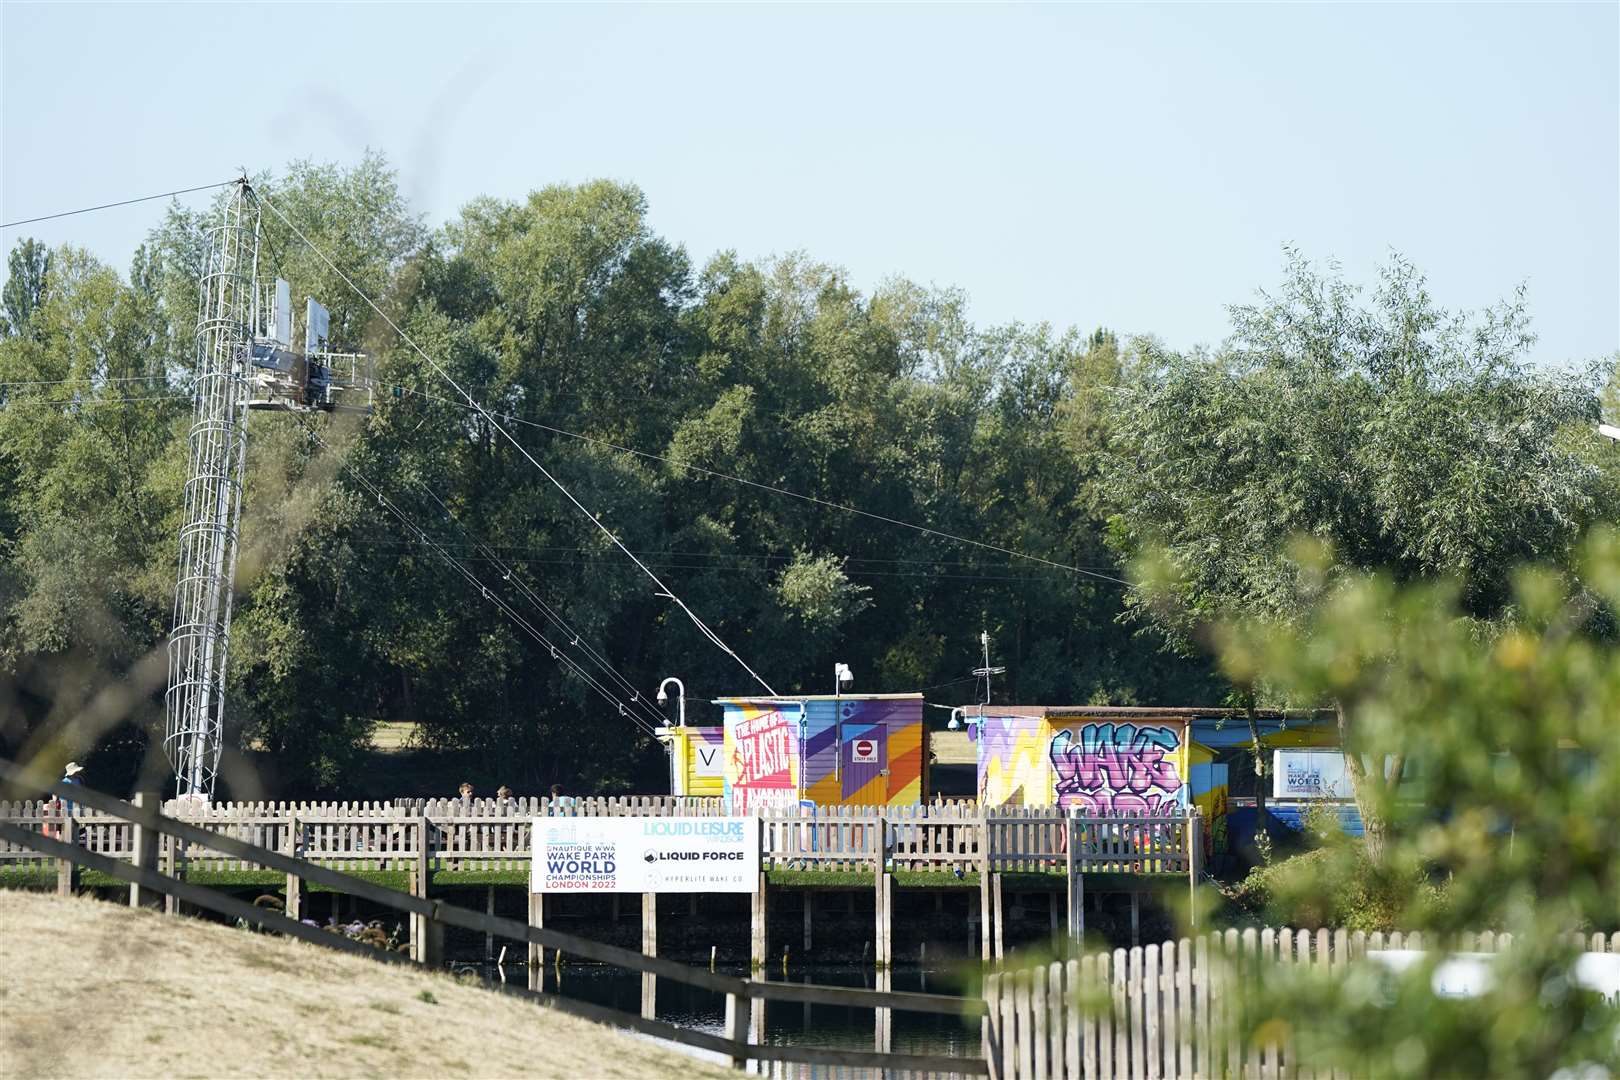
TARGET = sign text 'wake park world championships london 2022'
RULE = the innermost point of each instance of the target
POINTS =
(638, 854)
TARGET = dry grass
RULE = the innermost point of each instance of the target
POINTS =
(96, 989)
(393, 735)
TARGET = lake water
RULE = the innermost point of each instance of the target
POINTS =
(786, 1023)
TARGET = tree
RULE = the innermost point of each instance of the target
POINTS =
(1327, 438)
(30, 266)
(1509, 823)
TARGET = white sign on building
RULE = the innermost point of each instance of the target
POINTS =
(645, 854)
(1309, 774)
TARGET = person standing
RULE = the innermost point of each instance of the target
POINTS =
(65, 807)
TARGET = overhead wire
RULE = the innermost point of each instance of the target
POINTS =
(665, 590)
(474, 580)
(577, 639)
(121, 202)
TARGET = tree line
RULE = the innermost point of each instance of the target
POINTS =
(1331, 434)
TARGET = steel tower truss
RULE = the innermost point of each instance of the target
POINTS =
(198, 645)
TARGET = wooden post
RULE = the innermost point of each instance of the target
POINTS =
(65, 870)
(537, 953)
(170, 858)
(294, 905)
(145, 854)
(649, 947)
(1077, 885)
(1195, 856)
(985, 903)
(759, 938)
(883, 1023)
(737, 1030)
(427, 934)
(489, 938)
(882, 929)
(996, 920)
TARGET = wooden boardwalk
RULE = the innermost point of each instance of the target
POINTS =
(489, 835)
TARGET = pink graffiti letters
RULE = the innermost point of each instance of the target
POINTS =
(1117, 768)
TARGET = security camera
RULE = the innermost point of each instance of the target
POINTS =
(845, 676)
(954, 724)
(663, 698)
(1609, 431)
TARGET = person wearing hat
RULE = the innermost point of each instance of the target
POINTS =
(70, 775)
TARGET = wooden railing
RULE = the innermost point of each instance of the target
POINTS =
(145, 824)
(486, 834)
(1169, 1011)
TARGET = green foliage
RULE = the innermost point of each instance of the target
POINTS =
(1336, 887)
(1505, 819)
(1394, 436)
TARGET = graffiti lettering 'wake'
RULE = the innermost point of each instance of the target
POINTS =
(1117, 768)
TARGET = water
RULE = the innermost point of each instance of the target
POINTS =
(786, 1023)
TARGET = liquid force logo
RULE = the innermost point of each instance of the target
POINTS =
(693, 856)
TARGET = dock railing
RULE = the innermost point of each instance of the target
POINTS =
(490, 834)
(70, 841)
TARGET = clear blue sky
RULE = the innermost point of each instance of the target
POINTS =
(1134, 166)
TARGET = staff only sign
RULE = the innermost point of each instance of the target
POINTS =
(645, 854)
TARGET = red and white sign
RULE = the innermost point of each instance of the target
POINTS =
(863, 751)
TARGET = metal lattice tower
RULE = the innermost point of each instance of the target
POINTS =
(195, 706)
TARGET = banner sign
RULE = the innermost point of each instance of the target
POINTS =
(645, 854)
(1310, 774)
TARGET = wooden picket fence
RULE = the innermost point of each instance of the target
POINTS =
(493, 834)
(1168, 1012)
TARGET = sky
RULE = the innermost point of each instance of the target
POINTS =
(1134, 166)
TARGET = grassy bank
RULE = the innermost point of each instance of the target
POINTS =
(96, 989)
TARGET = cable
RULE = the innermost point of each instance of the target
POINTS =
(108, 206)
(13, 402)
(578, 639)
(666, 591)
(92, 381)
(776, 490)
(478, 583)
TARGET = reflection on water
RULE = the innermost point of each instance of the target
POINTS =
(786, 1023)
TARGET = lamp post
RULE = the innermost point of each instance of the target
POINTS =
(680, 697)
(842, 679)
(667, 738)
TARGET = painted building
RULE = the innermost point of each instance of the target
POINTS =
(1098, 761)
(696, 760)
(849, 750)
(1118, 759)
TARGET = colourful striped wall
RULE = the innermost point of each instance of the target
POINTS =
(829, 766)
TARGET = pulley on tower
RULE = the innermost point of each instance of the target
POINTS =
(320, 377)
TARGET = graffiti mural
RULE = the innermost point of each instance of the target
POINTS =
(1011, 769)
(763, 768)
(1117, 768)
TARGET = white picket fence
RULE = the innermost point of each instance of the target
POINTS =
(1167, 1012)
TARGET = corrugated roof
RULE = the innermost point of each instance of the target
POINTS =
(1142, 711)
(788, 698)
